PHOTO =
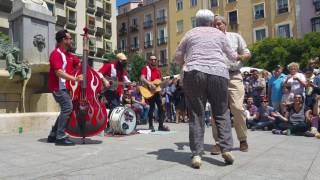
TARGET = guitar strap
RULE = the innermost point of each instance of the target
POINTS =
(148, 73)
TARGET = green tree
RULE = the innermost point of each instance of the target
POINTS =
(174, 68)
(110, 56)
(4, 37)
(135, 64)
(268, 53)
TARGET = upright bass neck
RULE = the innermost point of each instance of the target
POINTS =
(85, 57)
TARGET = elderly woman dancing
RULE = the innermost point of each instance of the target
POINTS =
(206, 78)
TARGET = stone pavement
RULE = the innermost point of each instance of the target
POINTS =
(150, 156)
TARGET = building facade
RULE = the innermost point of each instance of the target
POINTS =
(98, 15)
(144, 29)
(253, 19)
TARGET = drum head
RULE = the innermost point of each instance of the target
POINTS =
(123, 120)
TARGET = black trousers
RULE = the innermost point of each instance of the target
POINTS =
(156, 99)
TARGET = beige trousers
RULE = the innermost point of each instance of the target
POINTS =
(236, 97)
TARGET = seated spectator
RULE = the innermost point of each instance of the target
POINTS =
(250, 111)
(139, 105)
(265, 116)
(294, 120)
(287, 99)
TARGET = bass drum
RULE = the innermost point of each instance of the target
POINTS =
(122, 120)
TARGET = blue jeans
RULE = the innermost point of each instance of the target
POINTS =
(62, 97)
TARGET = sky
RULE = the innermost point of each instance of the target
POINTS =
(119, 2)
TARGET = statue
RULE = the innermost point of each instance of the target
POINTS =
(39, 42)
(35, 5)
(13, 67)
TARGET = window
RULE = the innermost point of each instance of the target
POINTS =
(135, 44)
(123, 44)
(193, 3)
(233, 17)
(282, 6)
(163, 57)
(74, 41)
(316, 5)
(148, 40)
(179, 5)
(231, 1)
(72, 16)
(315, 24)
(284, 30)
(134, 22)
(162, 39)
(180, 26)
(260, 34)
(51, 8)
(213, 3)
(193, 22)
(91, 22)
(162, 13)
(259, 11)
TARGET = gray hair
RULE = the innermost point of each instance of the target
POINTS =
(204, 17)
(220, 18)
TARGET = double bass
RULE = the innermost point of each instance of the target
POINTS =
(89, 115)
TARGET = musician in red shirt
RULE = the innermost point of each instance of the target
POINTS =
(149, 73)
(116, 71)
(60, 71)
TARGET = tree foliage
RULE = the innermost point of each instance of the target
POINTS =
(268, 53)
(135, 64)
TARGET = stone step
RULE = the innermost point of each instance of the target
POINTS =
(27, 122)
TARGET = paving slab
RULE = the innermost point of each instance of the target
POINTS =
(163, 156)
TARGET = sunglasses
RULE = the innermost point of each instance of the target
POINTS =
(265, 101)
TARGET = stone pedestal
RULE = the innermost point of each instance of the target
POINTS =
(32, 29)
(43, 102)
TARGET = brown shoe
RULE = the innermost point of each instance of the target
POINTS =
(216, 150)
(244, 146)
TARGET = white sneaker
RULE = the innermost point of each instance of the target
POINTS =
(196, 162)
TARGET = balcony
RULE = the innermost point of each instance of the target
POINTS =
(147, 24)
(283, 10)
(100, 52)
(162, 40)
(60, 1)
(148, 44)
(72, 3)
(161, 20)
(91, 29)
(5, 6)
(107, 15)
(100, 32)
(123, 32)
(122, 49)
(108, 33)
(134, 47)
(99, 12)
(316, 4)
(108, 46)
(91, 8)
(61, 21)
(71, 23)
(134, 28)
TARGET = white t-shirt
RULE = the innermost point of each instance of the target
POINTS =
(296, 86)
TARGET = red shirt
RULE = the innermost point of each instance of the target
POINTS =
(72, 63)
(111, 71)
(155, 73)
(57, 61)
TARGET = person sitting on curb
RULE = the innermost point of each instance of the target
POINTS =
(265, 116)
(294, 120)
